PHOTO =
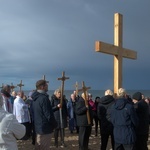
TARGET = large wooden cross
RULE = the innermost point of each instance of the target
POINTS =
(117, 50)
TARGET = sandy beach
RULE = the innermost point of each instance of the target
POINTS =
(71, 141)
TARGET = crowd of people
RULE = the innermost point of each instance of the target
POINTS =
(39, 116)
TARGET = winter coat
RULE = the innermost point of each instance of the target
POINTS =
(71, 106)
(81, 113)
(55, 101)
(142, 111)
(44, 120)
(125, 121)
(103, 113)
(10, 131)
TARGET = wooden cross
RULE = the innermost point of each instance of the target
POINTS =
(44, 78)
(76, 86)
(61, 103)
(62, 85)
(84, 89)
(117, 50)
(12, 86)
(20, 85)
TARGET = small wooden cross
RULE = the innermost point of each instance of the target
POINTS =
(84, 89)
(44, 78)
(12, 86)
(20, 85)
(63, 78)
(117, 50)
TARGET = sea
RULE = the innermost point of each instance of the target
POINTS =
(95, 93)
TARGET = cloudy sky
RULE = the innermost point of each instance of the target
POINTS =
(47, 37)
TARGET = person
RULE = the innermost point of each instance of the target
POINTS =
(142, 131)
(94, 112)
(7, 98)
(104, 113)
(71, 105)
(61, 125)
(125, 121)
(29, 103)
(44, 120)
(10, 129)
(13, 94)
(147, 100)
(20, 110)
(82, 121)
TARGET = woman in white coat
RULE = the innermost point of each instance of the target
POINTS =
(10, 129)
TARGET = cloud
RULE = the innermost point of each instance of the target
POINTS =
(48, 37)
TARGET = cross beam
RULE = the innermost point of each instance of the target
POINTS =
(117, 50)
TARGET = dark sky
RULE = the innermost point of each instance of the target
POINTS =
(47, 37)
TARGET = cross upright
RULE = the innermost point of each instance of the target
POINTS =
(20, 85)
(76, 86)
(63, 78)
(44, 78)
(117, 50)
(84, 89)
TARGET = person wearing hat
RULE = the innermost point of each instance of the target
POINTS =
(142, 131)
(125, 121)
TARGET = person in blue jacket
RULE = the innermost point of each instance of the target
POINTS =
(125, 122)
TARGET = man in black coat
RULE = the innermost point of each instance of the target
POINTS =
(125, 121)
(60, 128)
(82, 122)
(142, 131)
(44, 119)
(103, 113)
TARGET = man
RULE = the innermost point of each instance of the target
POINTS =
(94, 112)
(7, 99)
(125, 121)
(43, 116)
(82, 121)
(71, 105)
(60, 116)
(104, 113)
(142, 131)
(20, 110)
(10, 129)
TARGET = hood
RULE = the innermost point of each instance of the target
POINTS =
(107, 99)
(120, 103)
(36, 94)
